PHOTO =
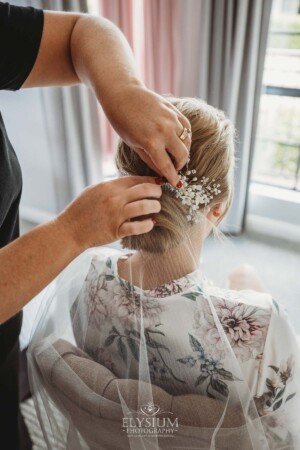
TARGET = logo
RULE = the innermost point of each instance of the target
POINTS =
(150, 420)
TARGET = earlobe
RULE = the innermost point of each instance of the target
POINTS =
(216, 213)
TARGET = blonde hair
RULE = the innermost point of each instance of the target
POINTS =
(211, 155)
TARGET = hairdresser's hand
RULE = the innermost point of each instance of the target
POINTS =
(150, 125)
(101, 214)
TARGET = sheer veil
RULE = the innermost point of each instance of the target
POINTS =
(124, 357)
(138, 350)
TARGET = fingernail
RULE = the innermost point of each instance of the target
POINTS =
(154, 220)
(179, 184)
(159, 181)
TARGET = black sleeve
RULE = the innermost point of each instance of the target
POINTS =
(20, 37)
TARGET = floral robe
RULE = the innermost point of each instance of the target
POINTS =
(199, 339)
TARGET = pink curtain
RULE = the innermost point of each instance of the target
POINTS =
(152, 29)
(162, 44)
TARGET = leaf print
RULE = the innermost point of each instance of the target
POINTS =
(289, 397)
(277, 405)
(280, 393)
(136, 333)
(109, 340)
(219, 386)
(153, 344)
(190, 361)
(196, 346)
(275, 304)
(191, 296)
(122, 350)
(156, 331)
(201, 379)
(109, 277)
(114, 330)
(134, 347)
(274, 368)
(269, 385)
(210, 395)
(210, 369)
(226, 375)
(276, 385)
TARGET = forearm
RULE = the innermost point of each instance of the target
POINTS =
(31, 262)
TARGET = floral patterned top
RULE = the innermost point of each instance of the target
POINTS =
(199, 339)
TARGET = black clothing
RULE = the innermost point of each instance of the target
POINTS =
(10, 189)
(20, 36)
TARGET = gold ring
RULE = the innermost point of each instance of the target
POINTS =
(185, 133)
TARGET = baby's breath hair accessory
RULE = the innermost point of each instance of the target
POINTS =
(192, 195)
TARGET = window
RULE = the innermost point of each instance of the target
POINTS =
(277, 149)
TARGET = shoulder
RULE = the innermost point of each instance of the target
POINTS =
(246, 297)
(244, 316)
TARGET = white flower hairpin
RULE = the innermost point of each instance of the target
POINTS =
(194, 195)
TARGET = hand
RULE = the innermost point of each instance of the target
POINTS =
(150, 125)
(101, 214)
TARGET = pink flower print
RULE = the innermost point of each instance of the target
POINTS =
(245, 327)
(171, 288)
(286, 370)
(207, 331)
(130, 308)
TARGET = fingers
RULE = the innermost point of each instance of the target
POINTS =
(180, 148)
(183, 120)
(135, 228)
(181, 117)
(179, 151)
(162, 160)
(134, 180)
(141, 208)
(169, 160)
(143, 191)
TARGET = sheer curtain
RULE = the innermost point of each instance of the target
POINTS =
(71, 121)
(223, 44)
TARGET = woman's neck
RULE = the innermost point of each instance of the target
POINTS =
(152, 270)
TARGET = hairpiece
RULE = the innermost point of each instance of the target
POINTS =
(193, 195)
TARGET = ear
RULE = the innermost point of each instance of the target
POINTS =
(215, 212)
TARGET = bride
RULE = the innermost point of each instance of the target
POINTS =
(139, 350)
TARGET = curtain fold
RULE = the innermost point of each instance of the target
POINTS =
(228, 63)
(72, 124)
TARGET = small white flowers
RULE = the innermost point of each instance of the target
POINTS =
(194, 195)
